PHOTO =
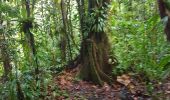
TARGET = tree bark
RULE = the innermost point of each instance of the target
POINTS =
(5, 58)
(65, 37)
(165, 12)
(29, 36)
(4, 53)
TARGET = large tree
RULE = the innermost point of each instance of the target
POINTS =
(94, 54)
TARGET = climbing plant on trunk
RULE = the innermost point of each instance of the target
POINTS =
(26, 26)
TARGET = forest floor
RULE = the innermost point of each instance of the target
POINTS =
(125, 87)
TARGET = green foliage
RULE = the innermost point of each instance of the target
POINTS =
(8, 9)
(31, 88)
(45, 24)
(8, 91)
(139, 45)
(167, 2)
(97, 20)
(165, 63)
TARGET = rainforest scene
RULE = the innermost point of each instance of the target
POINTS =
(84, 49)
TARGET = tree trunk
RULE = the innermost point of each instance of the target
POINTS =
(65, 36)
(6, 59)
(4, 53)
(94, 54)
(94, 60)
(164, 10)
(29, 46)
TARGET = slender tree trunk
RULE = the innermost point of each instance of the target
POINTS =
(82, 15)
(5, 58)
(65, 36)
(165, 12)
(29, 37)
(63, 41)
(4, 52)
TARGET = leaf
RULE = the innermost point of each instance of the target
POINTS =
(164, 61)
(124, 79)
(165, 20)
(63, 81)
(57, 2)
(106, 87)
(166, 74)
